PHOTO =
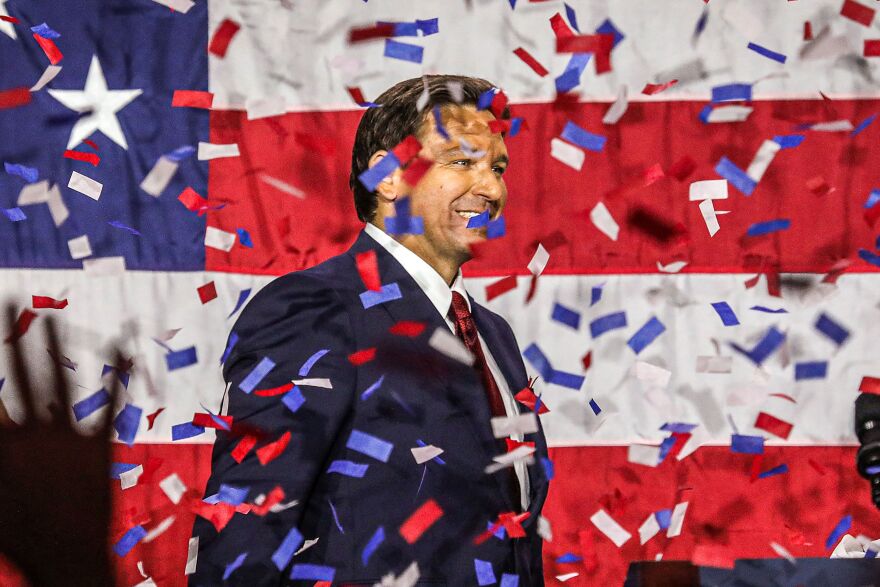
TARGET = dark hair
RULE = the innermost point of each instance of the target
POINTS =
(383, 127)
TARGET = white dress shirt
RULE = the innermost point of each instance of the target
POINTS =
(440, 295)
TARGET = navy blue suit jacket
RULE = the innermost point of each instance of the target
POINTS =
(423, 397)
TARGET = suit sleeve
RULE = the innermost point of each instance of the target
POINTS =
(288, 322)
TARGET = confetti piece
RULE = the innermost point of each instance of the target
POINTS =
(420, 520)
(389, 292)
(268, 453)
(310, 362)
(610, 528)
(504, 426)
(46, 302)
(842, 526)
(779, 470)
(789, 141)
(88, 406)
(863, 125)
(348, 468)
(595, 407)
(779, 57)
(502, 286)
(616, 111)
(710, 189)
(182, 358)
(207, 292)
(173, 488)
(223, 37)
(50, 49)
(749, 445)
(762, 160)
(770, 226)
(651, 89)
(306, 571)
(857, 12)
(566, 153)
(725, 312)
(646, 335)
(14, 97)
(29, 174)
(183, 7)
(85, 185)
(234, 565)
(219, 239)
(129, 540)
(127, 422)
(539, 260)
(736, 176)
(257, 374)
(676, 521)
(531, 61)
(192, 550)
(79, 247)
(648, 529)
(479, 221)
(243, 447)
(379, 31)
(192, 200)
(375, 541)
(773, 425)
(375, 174)
(566, 316)
(403, 51)
(370, 445)
(583, 138)
(14, 214)
(485, 573)
(192, 99)
(208, 151)
(811, 370)
(242, 297)
(730, 92)
(607, 323)
(832, 329)
(185, 430)
(244, 238)
(765, 347)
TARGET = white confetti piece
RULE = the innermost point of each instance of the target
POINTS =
(57, 207)
(677, 519)
(192, 556)
(182, 6)
(173, 487)
(648, 529)
(443, 341)
(314, 382)
(711, 364)
(618, 108)
(566, 577)
(710, 217)
(104, 266)
(539, 260)
(651, 375)
(643, 454)
(763, 158)
(157, 179)
(729, 113)
(602, 219)
(508, 459)
(506, 426)
(674, 267)
(48, 75)
(566, 153)
(34, 193)
(282, 186)
(159, 529)
(781, 551)
(85, 185)
(708, 189)
(80, 247)
(610, 528)
(130, 478)
(545, 529)
(208, 151)
(219, 239)
(423, 454)
(833, 126)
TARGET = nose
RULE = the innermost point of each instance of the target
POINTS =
(488, 185)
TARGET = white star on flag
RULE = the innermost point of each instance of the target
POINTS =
(101, 103)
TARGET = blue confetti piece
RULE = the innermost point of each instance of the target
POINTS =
(730, 92)
(538, 360)
(15, 214)
(244, 238)
(774, 471)
(45, 31)
(595, 407)
(118, 224)
(566, 316)
(121, 375)
(582, 137)
(832, 329)
(508, 580)
(370, 445)
(748, 445)
(485, 573)
(117, 469)
(678, 427)
(180, 153)
(336, 517)
(293, 399)
(414, 225)
(310, 362)
(549, 469)
(127, 422)
(182, 358)
(767, 310)
(705, 113)
(569, 380)
(646, 335)
(234, 565)
(512, 4)
(242, 296)
(389, 292)
(603, 324)
(375, 174)
(312, 572)
(725, 312)
(789, 141)
(567, 81)
(479, 221)
(291, 543)
(765, 347)
(767, 52)
(811, 370)
(873, 198)
(497, 228)
(402, 29)
(88, 406)
(701, 25)
(515, 126)
(762, 228)
(870, 257)
(428, 27)
(595, 294)
(403, 51)
(607, 28)
(870, 553)
(839, 530)
(29, 174)
(736, 176)
(438, 122)
(572, 17)
(499, 532)
(372, 388)
(485, 99)
(231, 494)
(230, 344)
(376, 539)
(664, 518)
(257, 374)
(129, 540)
(665, 448)
(348, 468)
(569, 558)
(862, 125)
(185, 430)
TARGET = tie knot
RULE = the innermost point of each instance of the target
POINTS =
(459, 308)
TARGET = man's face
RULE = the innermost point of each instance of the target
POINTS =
(465, 180)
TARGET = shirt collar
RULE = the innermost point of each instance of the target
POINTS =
(424, 275)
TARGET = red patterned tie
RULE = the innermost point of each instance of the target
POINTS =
(466, 330)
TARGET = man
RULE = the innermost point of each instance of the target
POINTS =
(382, 386)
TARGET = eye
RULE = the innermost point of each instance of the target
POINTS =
(462, 162)
(499, 169)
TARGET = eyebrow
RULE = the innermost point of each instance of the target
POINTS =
(452, 150)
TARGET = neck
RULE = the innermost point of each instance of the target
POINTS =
(447, 268)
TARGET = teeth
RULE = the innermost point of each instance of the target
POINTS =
(468, 214)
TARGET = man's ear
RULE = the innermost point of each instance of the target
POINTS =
(389, 188)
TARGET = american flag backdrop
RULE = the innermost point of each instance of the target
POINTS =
(690, 235)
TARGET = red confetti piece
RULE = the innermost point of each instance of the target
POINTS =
(243, 447)
(515, 444)
(533, 288)
(208, 421)
(207, 292)
(92, 158)
(773, 425)
(587, 360)
(872, 48)
(529, 60)
(584, 44)
(499, 103)
(420, 520)
(280, 390)
(152, 465)
(526, 396)
(21, 325)
(407, 149)
(871, 214)
(50, 49)
(870, 385)
(358, 96)
(808, 31)
(817, 467)
(784, 396)
(836, 271)
(380, 31)
(407, 328)
(368, 268)
(151, 419)
(15, 97)
(218, 514)
(39, 302)
(757, 461)
(857, 12)
(92, 144)
(560, 27)
(360, 357)
(418, 168)
(273, 450)
(651, 89)
(502, 286)
(192, 200)
(274, 497)
(222, 37)
(192, 99)
(11, 19)
(513, 523)
(819, 186)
